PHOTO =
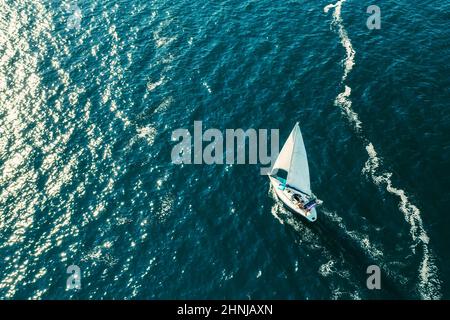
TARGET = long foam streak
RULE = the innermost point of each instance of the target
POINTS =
(349, 61)
(343, 100)
(429, 283)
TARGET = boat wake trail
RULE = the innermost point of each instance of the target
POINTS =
(429, 282)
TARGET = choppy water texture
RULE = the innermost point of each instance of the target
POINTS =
(86, 116)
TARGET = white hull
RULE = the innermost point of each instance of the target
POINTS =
(285, 197)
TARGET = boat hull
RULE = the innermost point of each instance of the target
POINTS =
(311, 216)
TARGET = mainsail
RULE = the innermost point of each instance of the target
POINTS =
(284, 158)
(293, 159)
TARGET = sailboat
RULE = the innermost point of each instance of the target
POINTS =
(290, 177)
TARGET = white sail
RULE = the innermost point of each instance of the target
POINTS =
(284, 158)
(298, 173)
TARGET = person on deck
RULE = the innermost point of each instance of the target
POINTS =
(299, 201)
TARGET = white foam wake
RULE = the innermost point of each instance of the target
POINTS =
(429, 282)
(349, 61)
(343, 100)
